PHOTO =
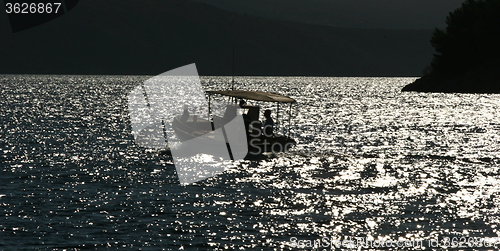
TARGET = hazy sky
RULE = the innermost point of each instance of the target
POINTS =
(389, 14)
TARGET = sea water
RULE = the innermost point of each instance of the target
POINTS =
(373, 168)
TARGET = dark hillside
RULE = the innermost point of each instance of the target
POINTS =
(138, 37)
(467, 55)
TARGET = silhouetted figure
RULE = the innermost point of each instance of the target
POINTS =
(242, 102)
(185, 115)
(252, 122)
(268, 124)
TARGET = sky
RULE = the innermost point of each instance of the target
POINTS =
(385, 14)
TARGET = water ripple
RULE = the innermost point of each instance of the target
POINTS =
(370, 162)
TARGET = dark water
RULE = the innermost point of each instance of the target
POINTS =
(371, 163)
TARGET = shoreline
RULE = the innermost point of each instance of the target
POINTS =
(479, 80)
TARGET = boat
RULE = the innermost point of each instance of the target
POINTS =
(188, 127)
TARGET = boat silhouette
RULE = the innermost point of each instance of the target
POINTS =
(188, 127)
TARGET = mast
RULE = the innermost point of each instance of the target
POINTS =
(232, 86)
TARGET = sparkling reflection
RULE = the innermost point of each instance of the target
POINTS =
(371, 162)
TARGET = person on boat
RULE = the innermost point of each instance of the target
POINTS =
(242, 102)
(185, 115)
(268, 124)
(246, 119)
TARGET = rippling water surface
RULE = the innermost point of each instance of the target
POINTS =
(371, 162)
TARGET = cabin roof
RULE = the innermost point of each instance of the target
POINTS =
(256, 95)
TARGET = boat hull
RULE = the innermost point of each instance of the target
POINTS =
(257, 146)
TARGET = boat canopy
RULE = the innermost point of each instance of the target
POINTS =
(256, 95)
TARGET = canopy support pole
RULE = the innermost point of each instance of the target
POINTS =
(289, 119)
(209, 113)
(277, 116)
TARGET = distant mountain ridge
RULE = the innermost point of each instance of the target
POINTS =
(131, 37)
(366, 14)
